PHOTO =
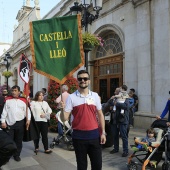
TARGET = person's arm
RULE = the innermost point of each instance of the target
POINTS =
(124, 105)
(165, 111)
(66, 109)
(102, 126)
(3, 117)
(58, 100)
(48, 111)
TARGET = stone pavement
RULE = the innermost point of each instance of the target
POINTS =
(63, 159)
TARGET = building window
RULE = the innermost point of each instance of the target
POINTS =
(113, 68)
(112, 45)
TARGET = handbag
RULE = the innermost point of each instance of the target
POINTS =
(48, 120)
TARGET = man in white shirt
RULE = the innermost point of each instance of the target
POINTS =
(13, 115)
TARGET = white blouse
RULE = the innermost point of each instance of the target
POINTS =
(39, 108)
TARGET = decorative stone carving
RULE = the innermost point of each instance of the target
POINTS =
(36, 2)
(27, 2)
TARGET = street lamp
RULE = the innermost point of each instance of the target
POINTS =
(7, 61)
(87, 17)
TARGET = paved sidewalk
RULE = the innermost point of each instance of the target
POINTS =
(63, 159)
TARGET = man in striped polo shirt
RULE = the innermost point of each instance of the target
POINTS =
(84, 105)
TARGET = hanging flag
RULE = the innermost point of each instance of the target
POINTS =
(24, 72)
(56, 47)
(24, 68)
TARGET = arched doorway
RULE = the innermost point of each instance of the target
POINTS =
(108, 66)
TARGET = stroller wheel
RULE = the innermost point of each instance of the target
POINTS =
(57, 142)
(70, 147)
(52, 146)
(132, 166)
(165, 166)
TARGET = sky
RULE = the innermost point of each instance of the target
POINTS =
(8, 13)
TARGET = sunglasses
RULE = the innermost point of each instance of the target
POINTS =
(83, 78)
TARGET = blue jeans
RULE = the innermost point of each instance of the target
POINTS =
(60, 128)
(122, 128)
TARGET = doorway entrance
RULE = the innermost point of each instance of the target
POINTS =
(108, 75)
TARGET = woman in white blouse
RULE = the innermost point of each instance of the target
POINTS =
(41, 111)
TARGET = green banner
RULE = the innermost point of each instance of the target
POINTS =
(56, 46)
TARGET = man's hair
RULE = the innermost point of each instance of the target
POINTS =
(83, 72)
(64, 87)
(124, 87)
(16, 87)
(133, 90)
(44, 89)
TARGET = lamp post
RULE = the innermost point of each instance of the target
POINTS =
(87, 17)
(7, 61)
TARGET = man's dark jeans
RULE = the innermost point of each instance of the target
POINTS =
(91, 148)
(122, 128)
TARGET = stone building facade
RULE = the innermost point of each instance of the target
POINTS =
(136, 51)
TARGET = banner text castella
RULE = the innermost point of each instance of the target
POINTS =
(59, 36)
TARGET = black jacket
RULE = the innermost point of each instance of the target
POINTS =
(122, 118)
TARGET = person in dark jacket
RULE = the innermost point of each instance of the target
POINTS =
(7, 147)
(120, 125)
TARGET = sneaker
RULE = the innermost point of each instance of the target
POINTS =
(113, 151)
(17, 158)
(125, 154)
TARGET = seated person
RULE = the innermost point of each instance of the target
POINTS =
(146, 142)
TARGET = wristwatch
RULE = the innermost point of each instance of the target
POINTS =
(104, 133)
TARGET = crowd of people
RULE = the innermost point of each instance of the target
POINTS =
(88, 123)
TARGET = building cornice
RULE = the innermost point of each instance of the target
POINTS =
(136, 3)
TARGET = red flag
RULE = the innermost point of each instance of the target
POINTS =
(24, 68)
(24, 72)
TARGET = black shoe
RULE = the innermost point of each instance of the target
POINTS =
(125, 154)
(17, 158)
(113, 151)
(48, 151)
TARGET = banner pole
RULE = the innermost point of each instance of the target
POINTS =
(62, 114)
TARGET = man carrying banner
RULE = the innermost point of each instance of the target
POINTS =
(13, 115)
(84, 105)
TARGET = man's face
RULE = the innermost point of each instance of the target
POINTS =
(83, 80)
(15, 92)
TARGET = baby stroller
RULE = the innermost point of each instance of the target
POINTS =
(151, 158)
(66, 137)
